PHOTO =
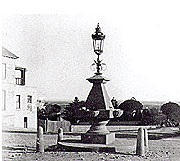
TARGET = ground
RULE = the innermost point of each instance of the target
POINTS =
(164, 145)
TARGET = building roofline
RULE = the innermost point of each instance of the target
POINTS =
(8, 54)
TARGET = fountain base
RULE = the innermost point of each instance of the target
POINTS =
(93, 138)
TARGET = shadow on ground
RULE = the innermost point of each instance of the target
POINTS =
(56, 148)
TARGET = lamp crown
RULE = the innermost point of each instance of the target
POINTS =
(98, 35)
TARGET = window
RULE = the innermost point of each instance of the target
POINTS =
(3, 100)
(20, 75)
(29, 99)
(25, 122)
(3, 70)
(18, 101)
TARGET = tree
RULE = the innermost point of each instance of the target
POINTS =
(41, 113)
(50, 111)
(152, 117)
(131, 110)
(53, 108)
(75, 111)
(172, 111)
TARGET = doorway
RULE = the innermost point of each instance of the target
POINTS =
(25, 122)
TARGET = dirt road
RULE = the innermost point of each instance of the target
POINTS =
(21, 147)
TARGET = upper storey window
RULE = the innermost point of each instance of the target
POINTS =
(20, 75)
(3, 70)
(29, 99)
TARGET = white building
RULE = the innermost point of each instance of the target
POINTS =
(18, 100)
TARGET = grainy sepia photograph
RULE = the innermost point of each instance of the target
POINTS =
(100, 84)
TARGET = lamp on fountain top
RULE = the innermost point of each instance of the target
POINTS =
(98, 43)
(98, 40)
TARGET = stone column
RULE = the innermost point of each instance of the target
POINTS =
(146, 139)
(140, 149)
(60, 135)
(40, 142)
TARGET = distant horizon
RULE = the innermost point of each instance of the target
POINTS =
(117, 100)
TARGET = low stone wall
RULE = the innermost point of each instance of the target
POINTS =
(84, 128)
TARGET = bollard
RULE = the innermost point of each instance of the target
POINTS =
(146, 139)
(40, 143)
(60, 134)
(140, 150)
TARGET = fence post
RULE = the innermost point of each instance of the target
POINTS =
(140, 149)
(40, 143)
(60, 135)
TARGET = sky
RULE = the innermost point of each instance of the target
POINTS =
(141, 48)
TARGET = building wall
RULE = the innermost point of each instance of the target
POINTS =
(9, 89)
(28, 110)
(12, 117)
(10, 70)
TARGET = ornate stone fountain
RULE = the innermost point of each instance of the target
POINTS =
(98, 102)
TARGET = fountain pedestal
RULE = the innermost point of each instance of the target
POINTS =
(99, 103)
(98, 134)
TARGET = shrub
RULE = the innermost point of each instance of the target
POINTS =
(131, 110)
